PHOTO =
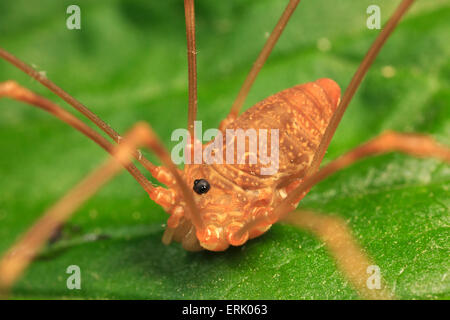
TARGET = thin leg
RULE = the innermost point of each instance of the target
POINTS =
(356, 81)
(192, 63)
(412, 144)
(416, 145)
(22, 253)
(71, 101)
(349, 256)
(14, 91)
(264, 54)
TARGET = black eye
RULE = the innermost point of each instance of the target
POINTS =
(201, 186)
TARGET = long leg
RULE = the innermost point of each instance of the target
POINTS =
(258, 64)
(312, 176)
(71, 101)
(192, 63)
(353, 86)
(356, 81)
(14, 91)
(349, 256)
(22, 253)
(412, 144)
(333, 231)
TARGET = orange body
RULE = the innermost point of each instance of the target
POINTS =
(239, 192)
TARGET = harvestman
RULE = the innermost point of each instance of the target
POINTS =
(230, 204)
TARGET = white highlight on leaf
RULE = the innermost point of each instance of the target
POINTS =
(388, 71)
(323, 44)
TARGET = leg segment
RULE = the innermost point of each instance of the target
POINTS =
(14, 91)
(356, 81)
(22, 253)
(70, 100)
(264, 54)
(416, 145)
(192, 63)
(349, 256)
(412, 144)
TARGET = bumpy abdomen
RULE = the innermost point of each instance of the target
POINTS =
(301, 115)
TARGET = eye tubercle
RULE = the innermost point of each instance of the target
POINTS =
(201, 186)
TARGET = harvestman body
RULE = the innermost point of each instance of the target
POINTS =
(214, 206)
(239, 193)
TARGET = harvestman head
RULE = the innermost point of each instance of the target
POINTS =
(205, 211)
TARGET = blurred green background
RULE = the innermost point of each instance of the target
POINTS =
(128, 64)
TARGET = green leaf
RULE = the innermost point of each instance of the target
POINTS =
(128, 64)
